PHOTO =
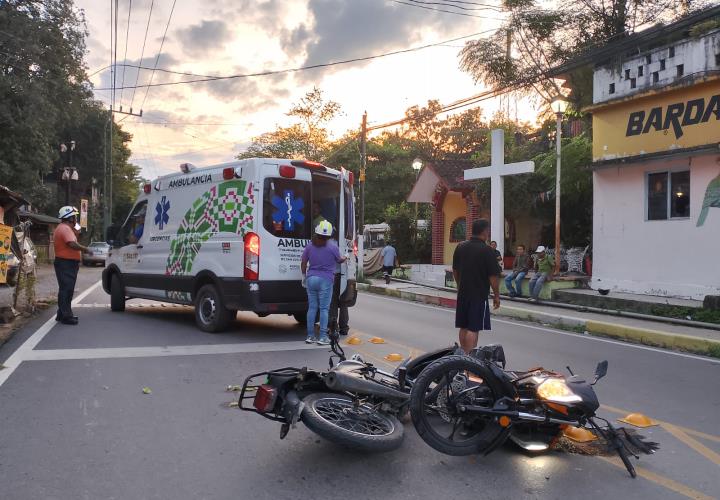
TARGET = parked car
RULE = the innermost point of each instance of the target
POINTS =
(100, 251)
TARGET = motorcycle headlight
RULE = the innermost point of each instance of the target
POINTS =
(557, 391)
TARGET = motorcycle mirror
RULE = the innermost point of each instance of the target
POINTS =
(601, 370)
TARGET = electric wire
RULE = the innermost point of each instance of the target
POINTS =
(127, 37)
(157, 59)
(445, 11)
(209, 78)
(142, 53)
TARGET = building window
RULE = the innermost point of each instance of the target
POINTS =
(633, 83)
(612, 88)
(668, 195)
(717, 59)
(662, 64)
(656, 77)
(648, 59)
(680, 70)
(671, 52)
(457, 230)
(641, 70)
(627, 74)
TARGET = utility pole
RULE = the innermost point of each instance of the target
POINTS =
(363, 164)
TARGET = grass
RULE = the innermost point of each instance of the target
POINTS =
(689, 313)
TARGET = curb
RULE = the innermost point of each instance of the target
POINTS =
(645, 336)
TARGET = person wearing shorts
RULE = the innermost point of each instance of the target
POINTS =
(475, 270)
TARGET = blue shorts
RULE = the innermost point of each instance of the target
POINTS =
(472, 314)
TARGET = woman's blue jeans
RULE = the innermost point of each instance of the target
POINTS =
(319, 291)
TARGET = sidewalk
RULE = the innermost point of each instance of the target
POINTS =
(654, 333)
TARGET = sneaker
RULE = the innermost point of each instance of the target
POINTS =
(513, 294)
(324, 340)
(310, 340)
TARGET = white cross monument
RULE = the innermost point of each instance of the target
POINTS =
(495, 172)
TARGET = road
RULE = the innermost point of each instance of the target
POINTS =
(74, 422)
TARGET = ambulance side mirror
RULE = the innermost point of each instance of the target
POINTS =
(111, 234)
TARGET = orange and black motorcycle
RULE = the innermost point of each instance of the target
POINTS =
(463, 405)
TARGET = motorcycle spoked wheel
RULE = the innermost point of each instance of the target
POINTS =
(443, 384)
(337, 418)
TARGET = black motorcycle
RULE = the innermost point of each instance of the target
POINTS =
(354, 403)
(463, 405)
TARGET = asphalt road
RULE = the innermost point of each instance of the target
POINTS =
(74, 422)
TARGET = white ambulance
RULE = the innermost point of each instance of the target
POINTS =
(230, 237)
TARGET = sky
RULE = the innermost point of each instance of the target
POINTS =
(210, 122)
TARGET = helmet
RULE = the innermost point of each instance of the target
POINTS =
(67, 212)
(324, 228)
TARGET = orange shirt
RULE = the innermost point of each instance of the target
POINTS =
(62, 236)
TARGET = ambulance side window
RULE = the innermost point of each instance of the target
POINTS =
(286, 208)
(134, 228)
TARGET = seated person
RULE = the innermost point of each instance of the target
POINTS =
(317, 214)
(521, 266)
(498, 256)
(544, 268)
(138, 228)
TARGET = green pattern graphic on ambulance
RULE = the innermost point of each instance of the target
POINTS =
(225, 208)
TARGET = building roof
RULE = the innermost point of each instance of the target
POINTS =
(638, 42)
(40, 218)
(10, 199)
(448, 173)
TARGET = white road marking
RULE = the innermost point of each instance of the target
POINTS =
(26, 348)
(149, 352)
(559, 332)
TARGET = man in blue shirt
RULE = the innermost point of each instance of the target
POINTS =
(389, 255)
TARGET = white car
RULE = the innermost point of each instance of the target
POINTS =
(230, 237)
(99, 250)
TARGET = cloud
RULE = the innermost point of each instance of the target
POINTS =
(346, 29)
(199, 39)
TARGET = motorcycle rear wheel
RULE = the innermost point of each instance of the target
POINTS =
(337, 418)
(435, 419)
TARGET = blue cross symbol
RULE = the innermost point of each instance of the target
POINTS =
(161, 212)
(288, 210)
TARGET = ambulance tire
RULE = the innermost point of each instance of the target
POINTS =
(117, 294)
(211, 315)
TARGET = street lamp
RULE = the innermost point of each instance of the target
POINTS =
(416, 165)
(558, 106)
(69, 173)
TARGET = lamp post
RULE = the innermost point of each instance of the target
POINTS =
(416, 165)
(558, 106)
(69, 173)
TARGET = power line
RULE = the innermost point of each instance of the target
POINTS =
(127, 37)
(157, 59)
(142, 52)
(455, 5)
(445, 11)
(208, 78)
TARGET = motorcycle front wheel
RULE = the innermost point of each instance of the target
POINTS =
(338, 418)
(436, 396)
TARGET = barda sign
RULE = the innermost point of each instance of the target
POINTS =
(675, 116)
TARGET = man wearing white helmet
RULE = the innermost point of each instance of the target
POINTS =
(318, 265)
(68, 253)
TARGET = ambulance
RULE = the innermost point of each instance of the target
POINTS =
(230, 237)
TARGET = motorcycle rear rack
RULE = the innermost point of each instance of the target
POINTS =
(249, 389)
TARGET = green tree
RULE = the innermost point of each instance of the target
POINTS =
(42, 85)
(308, 139)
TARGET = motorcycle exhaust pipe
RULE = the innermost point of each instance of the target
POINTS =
(342, 382)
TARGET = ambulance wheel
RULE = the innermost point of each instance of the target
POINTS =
(117, 294)
(211, 315)
(301, 317)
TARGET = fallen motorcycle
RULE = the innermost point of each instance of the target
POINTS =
(463, 405)
(353, 404)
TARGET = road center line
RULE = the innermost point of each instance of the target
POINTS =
(149, 352)
(22, 352)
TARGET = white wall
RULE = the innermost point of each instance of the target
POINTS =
(668, 258)
(697, 55)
